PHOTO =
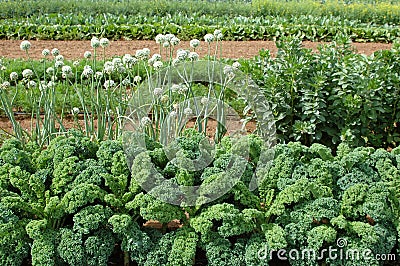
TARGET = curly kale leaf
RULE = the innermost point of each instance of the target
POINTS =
(76, 249)
(221, 251)
(91, 218)
(106, 152)
(79, 196)
(232, 221)
(14, 242)
(151, 208)
(134, 241)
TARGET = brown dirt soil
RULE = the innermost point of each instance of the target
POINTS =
(230, 49)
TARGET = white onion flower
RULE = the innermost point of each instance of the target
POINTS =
(117, 61)
(173, 114)
(31, 84)
(129, 60)
(168, 37)
(141, 54)
(108, 67)
(46, 52)
(218, 35)
(87, 71)
(156, 57)
(183, 89)
(137, 79)
(157, 92)
(75, 111)
(108, 84)
(175, 61)
(188, 111)
(5, 85)
(164, 98)
(150, 61)
(175, 87)
(50, 70)
(51, 84)
(59, 58)
(104, 42)
(157, 65)
(160, 38)
(98, 75)
(126, 82)
(75, 63)
(87, 55)
(55, 52)
(204, 100)
(208, 38)
(166, 44)
(236, 65)
(25, 45)
(95, 43)
(146, 51)
(27, 73)
(66, 70)
(175, 41)
(181, 54)
(194, 43)
(121, 69)
(145, 121)
(43, 86)
(228, 71)
(13, 76)
(193, 56)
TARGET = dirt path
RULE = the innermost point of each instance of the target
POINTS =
(230, 49)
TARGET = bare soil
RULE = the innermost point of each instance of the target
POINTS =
(230, 49)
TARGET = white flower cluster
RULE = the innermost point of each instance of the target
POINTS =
(50, 70)
(142, 54)
(87, 71)
(25, 45)
(158, 92)
(95, 42)
(109, 84)
(75, 111)
(129, 61)
(194, 43)
(27, 73)
(155, 61)
(87, 55)
(104, 42)
(66, 71)
(145, 121)
(167, 40)
(13, 76)
(179, 88)
(5, 85)
(137, 79)
(55, 52)
(46, 52)
(216, 36)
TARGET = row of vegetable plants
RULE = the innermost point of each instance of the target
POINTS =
(327, 97)
(78, 203)
(379, 12)
(80, 27)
